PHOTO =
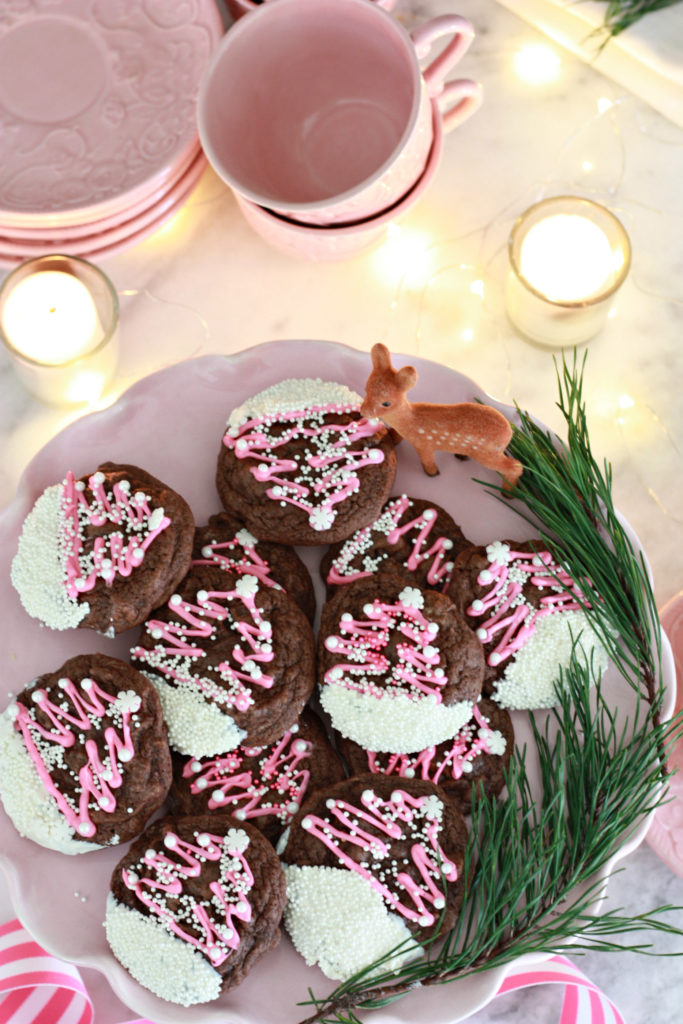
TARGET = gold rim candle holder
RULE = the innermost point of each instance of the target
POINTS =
(59, 318)
(568, 256)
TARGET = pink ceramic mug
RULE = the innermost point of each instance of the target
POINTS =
(318, 109)
(236, 8)
(341, 241)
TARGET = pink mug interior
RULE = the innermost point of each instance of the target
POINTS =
(307, 99)
(340, 242)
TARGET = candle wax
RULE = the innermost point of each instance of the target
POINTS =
(567, 258)
(50, 317)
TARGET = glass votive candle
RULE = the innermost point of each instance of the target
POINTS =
(59, 318)
(568, 257)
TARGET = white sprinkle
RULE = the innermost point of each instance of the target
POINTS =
(339, 922)
(292, 395)
(195, 727)
(528, 681)
(26, 801)
(393, 723)
(37, 568)
(167, 966)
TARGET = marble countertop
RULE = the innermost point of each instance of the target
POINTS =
(206, 283)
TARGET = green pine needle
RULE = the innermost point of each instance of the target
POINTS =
(621, 14)
(533, 863)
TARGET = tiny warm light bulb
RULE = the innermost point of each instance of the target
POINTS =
(477, 288)
(566, 257)
(537, 64)
(406, 254)
(170, 226)
(85, 386)
(604, 103)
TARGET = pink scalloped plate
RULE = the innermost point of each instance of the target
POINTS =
(97, 104)
(127, 232)
(171, 423)
(116, 239)
(140, 208)
(665, 834)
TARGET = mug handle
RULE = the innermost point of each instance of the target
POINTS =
(460, 99)
(424, 37)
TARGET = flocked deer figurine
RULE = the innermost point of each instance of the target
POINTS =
(466, 428)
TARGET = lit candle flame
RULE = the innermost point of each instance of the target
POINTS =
(567, 258)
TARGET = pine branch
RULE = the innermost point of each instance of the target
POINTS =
(534, 862)
(621, 14)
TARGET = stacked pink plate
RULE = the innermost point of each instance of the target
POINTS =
(98, 134)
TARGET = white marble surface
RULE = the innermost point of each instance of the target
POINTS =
(207, 283)
(647, 57)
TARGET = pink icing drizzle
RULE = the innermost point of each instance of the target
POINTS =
(279, 773)
(440, 568)
(425, 765)
(226, 554)
(230, 893)
(398, 818)
(512, 615)
(111, 554)
(362, 642)
(315, 492)
(97, 779)
(175, 643)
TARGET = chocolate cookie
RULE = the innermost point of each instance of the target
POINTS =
(300, 465)
(477, 755)
(262, 785)
(194, 904)
(411, 537)
(225, 541)
(398, 667)
(233, 661)
(370, 863)
(84, 758)
(528, 615)
(102, 551)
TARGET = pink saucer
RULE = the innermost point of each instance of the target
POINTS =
(50, 232)
(110, 243)
(665, 834)
(24, 248)
(238, 8)
(110, 117)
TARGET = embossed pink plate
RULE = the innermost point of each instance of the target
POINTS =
(97, 104)
(141, 208)
(114, 238)
(171, 423)
(665, 834)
